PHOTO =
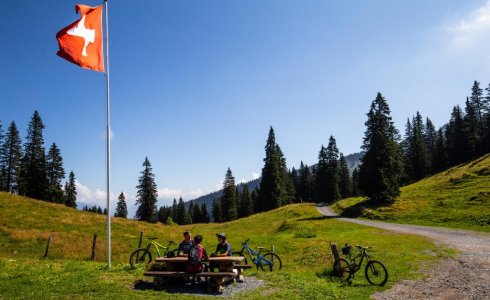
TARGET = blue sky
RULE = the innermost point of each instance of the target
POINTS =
(195, 85)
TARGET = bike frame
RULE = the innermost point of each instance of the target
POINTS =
(362, 254)
(255, 256)
(157, 247)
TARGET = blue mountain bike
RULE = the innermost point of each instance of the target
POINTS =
(267, 262)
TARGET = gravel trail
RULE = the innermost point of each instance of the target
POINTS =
(466, 276)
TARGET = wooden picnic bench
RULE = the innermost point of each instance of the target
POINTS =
(229, 269)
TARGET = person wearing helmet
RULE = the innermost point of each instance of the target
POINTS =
(223, 248)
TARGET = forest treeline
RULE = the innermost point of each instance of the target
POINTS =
(388, 162)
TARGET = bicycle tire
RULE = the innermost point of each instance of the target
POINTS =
(272, 257)
(140, 257)
(342, 269)
(376, 273)
(236, 253)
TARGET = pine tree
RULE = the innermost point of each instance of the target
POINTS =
(180, 212)
(355, 182)
(56, 173)
(321, 177)
(440, 155)
(217, 213)
(486, 120)
(407, 150)
(174, 210)
(33, 180)
(480, 106)
(246, 204)
(472, 130)
(420, 161)
(71, 191)
(456, 138)
(229, 198)
(273, 188)
(332, 174)
(187, 219)
(146, 196)
(345, 182)
(205, 214)
(196, 214)
(121, 208)
(431, 142)
(295, 179)
(286, 180)
(10, 159)
(3, 167)
(305, 183)
(381, 169)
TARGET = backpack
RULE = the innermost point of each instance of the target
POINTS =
(194, 264)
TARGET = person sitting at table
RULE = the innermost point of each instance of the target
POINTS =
(186, 245)
(197, 254)
(222, 249)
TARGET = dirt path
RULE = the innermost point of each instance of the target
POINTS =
(464, 277)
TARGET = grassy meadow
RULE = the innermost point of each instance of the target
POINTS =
(458, 197)
(299, 233)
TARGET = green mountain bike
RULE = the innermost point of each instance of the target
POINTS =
(143, 256)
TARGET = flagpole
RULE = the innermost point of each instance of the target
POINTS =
(108, 137)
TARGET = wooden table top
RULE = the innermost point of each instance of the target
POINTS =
(219, 259)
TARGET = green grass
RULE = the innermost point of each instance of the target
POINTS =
(458, 197)
(299, 233)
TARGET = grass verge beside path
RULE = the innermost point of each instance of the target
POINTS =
(457, 198)
(299, 233)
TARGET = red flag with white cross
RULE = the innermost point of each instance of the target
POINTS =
(81, 41)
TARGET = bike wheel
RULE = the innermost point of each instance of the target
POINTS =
(140, 257)
(376, 273)
(342, 269)
(244, 262)
(270, 262)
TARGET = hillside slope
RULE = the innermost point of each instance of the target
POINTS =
(458, 197)
(299, 233)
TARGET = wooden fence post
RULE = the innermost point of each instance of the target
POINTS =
(94, 242)
(47, 247)
(336, 256)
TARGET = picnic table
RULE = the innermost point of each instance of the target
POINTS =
(228, 269)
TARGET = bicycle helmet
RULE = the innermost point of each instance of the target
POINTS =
(221, 235)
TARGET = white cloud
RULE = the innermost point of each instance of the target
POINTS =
(97, 197)
(471, 29)
(168, 193)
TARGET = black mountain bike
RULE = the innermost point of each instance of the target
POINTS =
(375, 271)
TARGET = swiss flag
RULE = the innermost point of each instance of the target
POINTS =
(81, 41)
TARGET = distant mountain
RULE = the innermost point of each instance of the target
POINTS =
(209, 198)
(352, 162)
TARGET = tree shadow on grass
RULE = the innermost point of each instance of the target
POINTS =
(358, 209)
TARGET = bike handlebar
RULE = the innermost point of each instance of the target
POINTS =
(246, 241)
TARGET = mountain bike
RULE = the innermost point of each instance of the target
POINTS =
(143, 255)
(267, 262)
(375, 271)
